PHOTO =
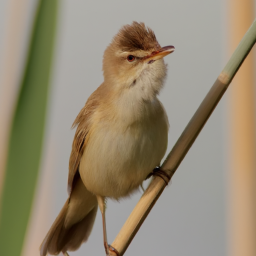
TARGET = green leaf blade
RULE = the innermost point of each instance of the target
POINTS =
(26, 139)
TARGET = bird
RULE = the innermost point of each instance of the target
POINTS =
(121, 136)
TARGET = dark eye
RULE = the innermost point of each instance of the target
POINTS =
(130, 58)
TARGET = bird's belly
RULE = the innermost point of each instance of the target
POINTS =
(115, 163)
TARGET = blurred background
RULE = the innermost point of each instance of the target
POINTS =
(51, 61)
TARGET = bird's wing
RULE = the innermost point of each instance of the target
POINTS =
(82, 122)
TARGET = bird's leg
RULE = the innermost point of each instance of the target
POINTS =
(108, 248)
(102, 206)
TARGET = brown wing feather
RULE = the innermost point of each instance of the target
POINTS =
(82, 122)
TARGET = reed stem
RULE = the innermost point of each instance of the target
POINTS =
(185, 141)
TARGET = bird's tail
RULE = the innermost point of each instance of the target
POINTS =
(74, 223)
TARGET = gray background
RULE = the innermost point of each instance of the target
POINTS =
(189, 218)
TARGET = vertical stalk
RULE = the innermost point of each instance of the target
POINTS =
(242, 140)
(9, 75)
(27, 132)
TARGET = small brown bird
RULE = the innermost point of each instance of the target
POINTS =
(121, 136)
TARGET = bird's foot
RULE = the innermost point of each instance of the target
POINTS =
(110, 250)
(113, 251)
(160, 173)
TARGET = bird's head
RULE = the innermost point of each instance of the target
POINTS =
(135, 59)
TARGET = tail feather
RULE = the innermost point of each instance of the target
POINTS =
(74, 223)
(49, 244)
(79, 233)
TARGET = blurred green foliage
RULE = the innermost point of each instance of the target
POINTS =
(27, 132)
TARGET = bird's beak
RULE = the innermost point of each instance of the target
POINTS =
(156, 55)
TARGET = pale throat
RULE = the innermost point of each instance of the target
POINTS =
(136, 95)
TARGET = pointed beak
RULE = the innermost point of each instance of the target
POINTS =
(156, 55)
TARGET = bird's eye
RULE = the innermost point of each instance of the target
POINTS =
(130, 58)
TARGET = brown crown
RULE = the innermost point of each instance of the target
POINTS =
(136, 37)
